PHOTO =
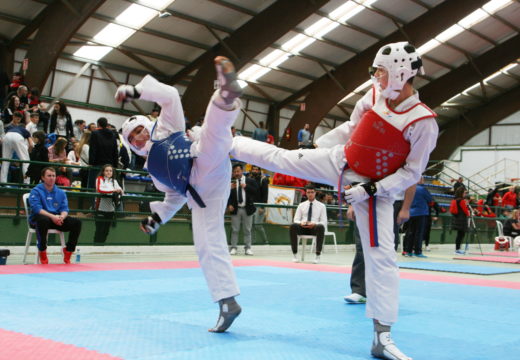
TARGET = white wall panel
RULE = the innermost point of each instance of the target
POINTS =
(76, 91)
(505, 135)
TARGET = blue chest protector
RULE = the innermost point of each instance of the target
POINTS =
(170, 162)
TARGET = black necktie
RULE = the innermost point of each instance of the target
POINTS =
(309, 214)
(240, 198)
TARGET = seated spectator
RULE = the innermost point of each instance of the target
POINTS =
(23, 94)
(512, 226)
(58, 154)
(17, 139)
(34, 98)
(82, 150)
(13, 105)
(156, 111)
(509, 199)
(310, 219)
(235, 132)
(61, 121)
(50, 210)
(38, 153)
(92, 127)
(32, 126)
(16, 81)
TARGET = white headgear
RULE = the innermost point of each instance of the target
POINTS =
(130, 125)
(402, 62)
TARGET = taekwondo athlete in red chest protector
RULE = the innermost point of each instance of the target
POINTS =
(193, 168)
(381, 151)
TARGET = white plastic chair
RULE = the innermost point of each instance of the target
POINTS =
(32, 231)
(327, 233)
(303, 239)
(500, 230)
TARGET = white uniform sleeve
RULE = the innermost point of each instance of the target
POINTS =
(342, 133)
(422, 137)
(171, 119)
(298, 215)
(166, 209)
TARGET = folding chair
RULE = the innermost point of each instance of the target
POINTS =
(32, 231)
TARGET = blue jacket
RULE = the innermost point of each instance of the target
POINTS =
(421, 202)
(54, 201)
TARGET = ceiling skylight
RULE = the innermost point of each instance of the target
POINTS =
(131, 19)
(300, 41)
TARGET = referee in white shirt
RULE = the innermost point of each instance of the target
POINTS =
(310, 219)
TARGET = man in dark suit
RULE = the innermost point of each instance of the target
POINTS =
(241, 206)
(102, 150)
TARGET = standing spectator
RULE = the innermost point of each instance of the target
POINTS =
(262, 183)
(17, 139)
(260, 133)
(270, 139)
(4, 85)
(509, 199)
(459, 183)
(102, 150)
(61, 121)
(83, 150)
(32, 126)
(154, 115)
(305, 137)
(310, 219)
(79, 128)
(241, 206)
(429, 219)
(92, 127)
(105, 209)
(419, 211)
(38, 153)
(235, 132)
(50, 210)
(459, 210)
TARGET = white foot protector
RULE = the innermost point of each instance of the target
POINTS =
(383, 347)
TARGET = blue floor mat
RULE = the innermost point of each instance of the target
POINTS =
(457, 268)
(287, 314)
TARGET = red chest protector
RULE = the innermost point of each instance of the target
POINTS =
(377, 147)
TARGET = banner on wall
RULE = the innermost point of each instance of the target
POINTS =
(280, 196)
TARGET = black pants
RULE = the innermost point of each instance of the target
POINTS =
(398, 204)
(103, 222)
(427, 230)
(459, 238)
(42, 224)
(414, 234)
(357, 278)
(318, 230)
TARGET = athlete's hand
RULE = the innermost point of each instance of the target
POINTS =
(126, 93)
(355, 194)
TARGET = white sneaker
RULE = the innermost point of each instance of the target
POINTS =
(316, 259)
(249, 252)
(355, 298)
(233, 251)
(295, 258)
(427, 248)
(383, 347)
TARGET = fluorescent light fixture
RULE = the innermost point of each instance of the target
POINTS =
(136, 16)
(272, 56)
(509, 67)
(428, 46)
(298, 43)
(492, 76)
(449, 33)
(253, 72)
(157, 4)
(500, 72)
(496, 5)
(363, 86)
(242, 83)
(113, 35)
(92, 52)
(473, 18)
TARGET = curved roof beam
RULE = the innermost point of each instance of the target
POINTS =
(458, 132)
(265, 29)
(324, 94)
(54, 33)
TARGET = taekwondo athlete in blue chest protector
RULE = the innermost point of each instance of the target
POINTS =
(193, 168)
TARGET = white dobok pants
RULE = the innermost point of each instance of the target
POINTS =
(325, 166)
(14, 142)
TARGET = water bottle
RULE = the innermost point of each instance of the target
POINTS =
(78, 256)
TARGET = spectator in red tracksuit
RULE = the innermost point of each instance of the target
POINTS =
(509, 199)
(459, 210)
